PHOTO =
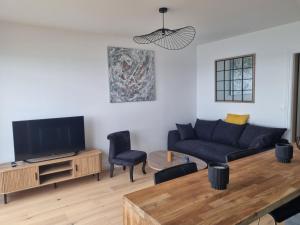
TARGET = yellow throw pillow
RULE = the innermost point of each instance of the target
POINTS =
(237, 119)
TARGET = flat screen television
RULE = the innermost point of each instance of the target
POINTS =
(48, 137)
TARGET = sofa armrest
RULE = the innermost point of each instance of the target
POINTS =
(173, 138)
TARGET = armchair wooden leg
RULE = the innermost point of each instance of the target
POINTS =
(111, 170)
(131, 173)
(124, 167)
(5, 198)
(169, 156)
(143, 167)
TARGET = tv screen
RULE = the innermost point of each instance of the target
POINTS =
(46, 137)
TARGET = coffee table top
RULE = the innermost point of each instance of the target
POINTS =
(158, 160)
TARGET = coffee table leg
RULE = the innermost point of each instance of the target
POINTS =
(170, 156)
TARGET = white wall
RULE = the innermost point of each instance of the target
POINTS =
(54, 73)
(274, 49)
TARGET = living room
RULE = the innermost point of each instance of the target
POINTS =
(61, 59)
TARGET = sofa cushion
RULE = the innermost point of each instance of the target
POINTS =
(251, 132)
(186, 131)
(208, 151)
(227, 133)
(237, 119)
(262, 142)
(205, 128)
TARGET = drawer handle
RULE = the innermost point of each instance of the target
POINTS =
(76, 167)
(36, 176)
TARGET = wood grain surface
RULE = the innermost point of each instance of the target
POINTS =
(258, 185)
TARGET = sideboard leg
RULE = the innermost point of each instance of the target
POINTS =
(5, 198)
(98, 176)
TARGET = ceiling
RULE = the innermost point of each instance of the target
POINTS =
(213, 19)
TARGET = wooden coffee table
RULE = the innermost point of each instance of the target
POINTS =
(158, 160)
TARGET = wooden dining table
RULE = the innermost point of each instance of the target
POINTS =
(258, 185)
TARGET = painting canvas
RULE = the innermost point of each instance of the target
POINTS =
(131, 74)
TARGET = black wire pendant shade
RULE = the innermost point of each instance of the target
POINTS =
(167, 38)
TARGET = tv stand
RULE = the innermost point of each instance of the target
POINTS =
(50, 157)
(31, 175)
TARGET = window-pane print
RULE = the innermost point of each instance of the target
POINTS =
(248, 73)
(227, 75)
(237, 96)
(228, 96)
(229, 64)
(247, 96)
(247, 85)
(235, 79)
(238, 74)
(237, 85)
(220, 95)
(227, 85)
(220, 65)
(220, 75)
(238, 63)
(220, 85)
(248, 62)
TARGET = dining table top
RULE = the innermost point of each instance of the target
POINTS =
(258, 184)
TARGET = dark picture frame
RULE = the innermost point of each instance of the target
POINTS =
(235, 79)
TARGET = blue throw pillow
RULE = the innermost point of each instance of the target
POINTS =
(227, 133)
(186, 131)
(204, 129)
(253, 131)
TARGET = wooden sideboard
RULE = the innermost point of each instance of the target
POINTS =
(30, 175)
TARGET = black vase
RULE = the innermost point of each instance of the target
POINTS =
(284, 152)
(218, 175)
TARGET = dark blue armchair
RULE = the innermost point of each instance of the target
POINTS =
(120, 153)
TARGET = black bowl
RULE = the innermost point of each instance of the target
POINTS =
(284, 152)
(218, 175)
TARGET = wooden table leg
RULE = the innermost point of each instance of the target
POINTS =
(169, 156)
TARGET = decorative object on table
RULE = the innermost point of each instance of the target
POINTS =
(218, 175)
(158, 160)
(131, 74)
(175, 172)
(284, 152)
(167, 38)
(120, 153)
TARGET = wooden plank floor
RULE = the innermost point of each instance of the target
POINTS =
(79, 202)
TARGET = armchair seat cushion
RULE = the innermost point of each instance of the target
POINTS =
(130, 157)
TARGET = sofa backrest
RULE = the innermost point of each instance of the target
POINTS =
(253, 132)
(227, 133)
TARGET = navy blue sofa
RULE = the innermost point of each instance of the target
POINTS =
(218, 141)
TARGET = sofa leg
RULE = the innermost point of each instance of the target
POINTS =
(111, 170)
(143, 167)
(124, 168)
(169, 156)
(131, 173)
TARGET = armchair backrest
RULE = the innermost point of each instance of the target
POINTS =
(119, 142)
(175, 172)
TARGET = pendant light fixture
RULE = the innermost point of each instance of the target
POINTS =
(167, 38)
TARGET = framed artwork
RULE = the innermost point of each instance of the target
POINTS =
(131, 74)
(235, 79)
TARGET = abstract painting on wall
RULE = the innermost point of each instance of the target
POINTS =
(131, 74)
